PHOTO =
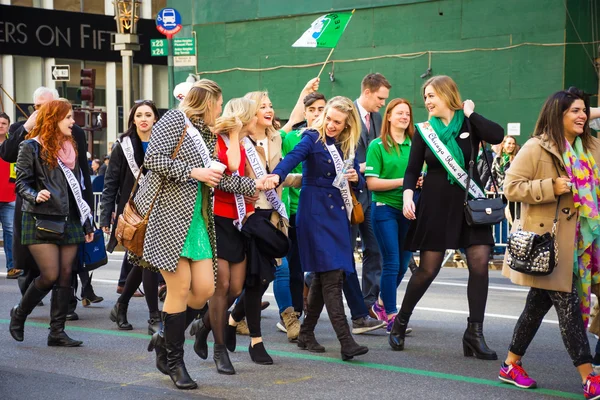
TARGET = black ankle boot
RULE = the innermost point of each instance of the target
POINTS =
(222, 361)
(307, 341)
(174, 328)
(19, 313)
(154, 323)
(398, 332)
(119, 315)
(200, 331)
(58, 316)
(259, 354)
(157, 343)
(230, 335)
(474, 343)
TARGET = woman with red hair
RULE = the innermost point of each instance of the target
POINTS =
(48, 180)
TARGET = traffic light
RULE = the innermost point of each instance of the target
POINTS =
(88, 84)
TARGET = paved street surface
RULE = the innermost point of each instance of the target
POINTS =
(114, 364)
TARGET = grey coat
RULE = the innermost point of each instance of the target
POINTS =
(366, 137)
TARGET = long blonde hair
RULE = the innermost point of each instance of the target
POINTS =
(236, 110)
(446, 89)
(348, 138)
(201, 100)
(257, 98)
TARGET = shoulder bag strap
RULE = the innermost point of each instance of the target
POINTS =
(555, 222)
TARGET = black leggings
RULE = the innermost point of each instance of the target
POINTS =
(249, 306)
(136, 276)
(570, 322)
(430, 265)
(55, 264)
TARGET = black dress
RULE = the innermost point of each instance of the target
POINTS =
(440, 222)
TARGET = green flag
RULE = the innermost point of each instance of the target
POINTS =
(325, 31)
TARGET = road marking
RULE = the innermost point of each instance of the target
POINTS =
(356, 363)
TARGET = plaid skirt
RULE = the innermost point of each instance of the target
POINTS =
(73, 232)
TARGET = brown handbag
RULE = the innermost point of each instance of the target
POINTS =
(131, 226)
(358, 215)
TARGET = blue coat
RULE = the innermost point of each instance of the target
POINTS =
(324, 231)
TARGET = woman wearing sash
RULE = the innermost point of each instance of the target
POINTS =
(48, 180)
(180, 240)
(126, 159)
(556, 175)
(387, 158)
(453, 130)
(323, 217)
(231, 210)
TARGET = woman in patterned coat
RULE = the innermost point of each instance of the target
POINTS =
(180, 239)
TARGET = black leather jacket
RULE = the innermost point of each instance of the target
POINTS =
(34, 175)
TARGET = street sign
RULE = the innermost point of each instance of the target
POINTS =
(184, 47)
(158, 47)
(168, 22)
(61, 73)
(184, 61)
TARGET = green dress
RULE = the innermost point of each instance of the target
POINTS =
(197, 244)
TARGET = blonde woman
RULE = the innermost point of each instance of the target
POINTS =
(502, 161)
(323, 217)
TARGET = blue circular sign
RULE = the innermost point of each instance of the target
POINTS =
(168, 21)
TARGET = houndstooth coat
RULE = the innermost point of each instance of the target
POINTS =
(171, 215)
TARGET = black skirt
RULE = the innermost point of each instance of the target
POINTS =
(231, 243)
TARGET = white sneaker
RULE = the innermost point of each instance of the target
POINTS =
(281, 327)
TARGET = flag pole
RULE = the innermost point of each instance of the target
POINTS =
(326, 61)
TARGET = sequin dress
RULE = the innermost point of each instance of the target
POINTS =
(197, 244)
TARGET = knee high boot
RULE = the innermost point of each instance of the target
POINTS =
(474, 342)
(58, 315)
(19, 313)
(174, 327)
(157, 343)
(332, 283)
(314, 307)
(396, 338)
(200, 331)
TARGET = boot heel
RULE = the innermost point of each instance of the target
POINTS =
(467, 350)
(85, 302)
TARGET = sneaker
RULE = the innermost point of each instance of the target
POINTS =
(366, 324)
(292, 325)
(516, 375)
(242, 328)
(281, 326)
(390, 324)
(591, 387)
(14, 273)
(379, 312)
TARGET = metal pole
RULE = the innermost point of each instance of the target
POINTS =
(171, 73)
(127, 72)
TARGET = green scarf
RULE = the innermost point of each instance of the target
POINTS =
(448, 134)
(505, 159)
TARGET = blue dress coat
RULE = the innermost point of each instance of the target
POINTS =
(324, 231)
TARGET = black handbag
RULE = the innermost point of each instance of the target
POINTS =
(533, 254)
(482, 211)
(49, 230)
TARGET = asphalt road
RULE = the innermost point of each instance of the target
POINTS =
(114, 364)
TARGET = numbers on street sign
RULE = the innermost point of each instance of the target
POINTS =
(158, 47)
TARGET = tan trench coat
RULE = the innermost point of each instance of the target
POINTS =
(529, 181)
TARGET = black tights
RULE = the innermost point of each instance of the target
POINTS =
(249, 306)
(230, 281)
(136, 276)
(430, 265)
(55, 264)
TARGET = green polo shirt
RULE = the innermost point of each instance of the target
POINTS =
(291, 195)
(387, 165)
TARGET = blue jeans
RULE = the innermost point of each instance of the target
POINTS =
(390, 228)
(7, 215)
(281, 286)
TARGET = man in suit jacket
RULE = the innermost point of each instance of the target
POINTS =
(375, 89)
(9, 151)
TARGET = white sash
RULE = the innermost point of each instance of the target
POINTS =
(240, 204)
(84, 209)
(445, 158)
(199, 142)
(259, 172)
(345, 187)
(127, 147)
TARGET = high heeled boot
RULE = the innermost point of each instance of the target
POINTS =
(200, 331)
(174, 334)
(313, 309)
(398, 332)
(118, 314)
(157, 344)
(154, 322)
(59, 304)
(19, 313)
(474, 342)
(222, 361)
(332, 282)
